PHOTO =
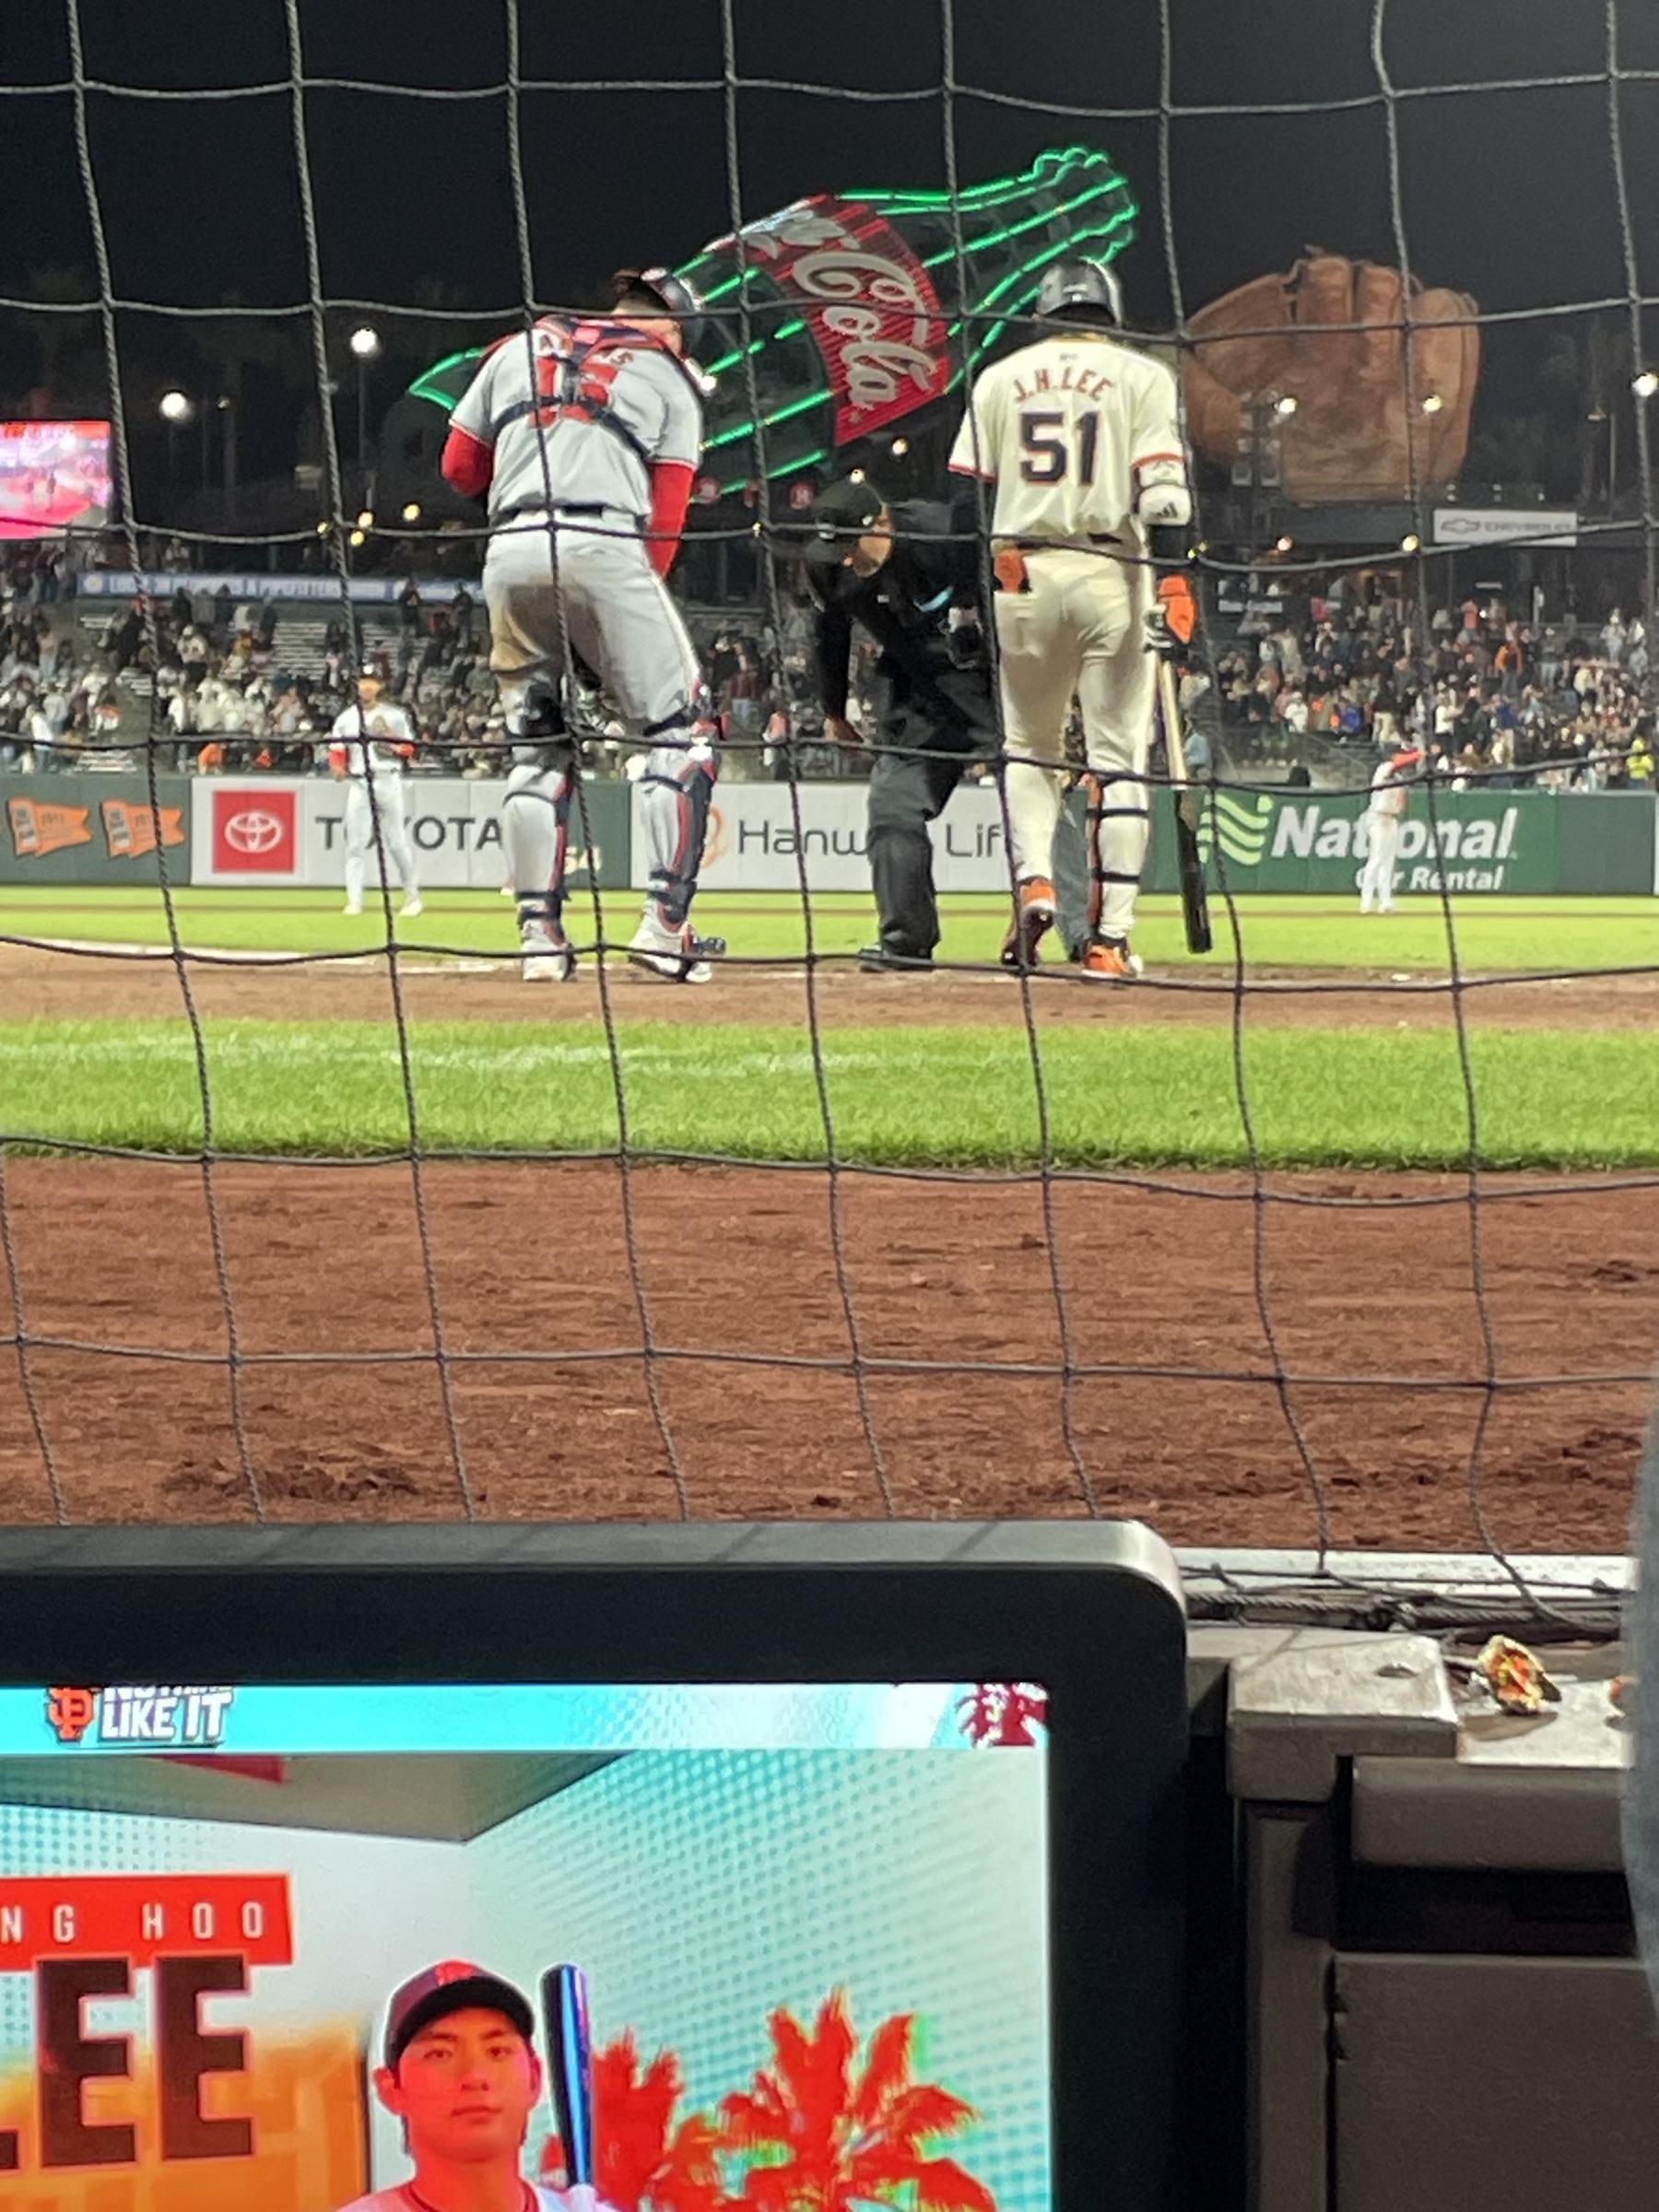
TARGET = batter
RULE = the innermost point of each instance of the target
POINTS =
(1079, 437)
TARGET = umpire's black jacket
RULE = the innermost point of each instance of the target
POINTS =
(905, 608)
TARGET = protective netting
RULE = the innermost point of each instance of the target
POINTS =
(1049, 1340)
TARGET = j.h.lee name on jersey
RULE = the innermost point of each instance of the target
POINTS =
(1088, 383)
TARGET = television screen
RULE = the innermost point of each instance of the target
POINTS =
(310, 1947)
(52, 475)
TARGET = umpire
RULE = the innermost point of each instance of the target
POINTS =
(895, 570)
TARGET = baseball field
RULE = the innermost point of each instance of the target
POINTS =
(1255, 1317)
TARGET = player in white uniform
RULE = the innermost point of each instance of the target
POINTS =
(459, 2070)
(1390, 798)
(1080, 438)
(371, 740)
(586, 437)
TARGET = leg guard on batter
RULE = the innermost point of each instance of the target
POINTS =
(678, 785)
(1119, 829)
(536, 830)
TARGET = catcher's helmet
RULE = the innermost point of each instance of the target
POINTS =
(1081, 283)
(677, 297)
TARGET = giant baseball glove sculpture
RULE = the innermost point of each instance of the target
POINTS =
(1358, 430)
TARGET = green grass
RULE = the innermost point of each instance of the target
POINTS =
(1276, 932)
(1119, 1095)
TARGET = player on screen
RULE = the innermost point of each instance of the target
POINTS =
(1078, 438)
(459, 2070)
(371, 740)
(589, 432)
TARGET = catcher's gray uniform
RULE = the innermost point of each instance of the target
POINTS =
(578, 417)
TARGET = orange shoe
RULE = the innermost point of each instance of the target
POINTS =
(1033, 919)
(1111, 959)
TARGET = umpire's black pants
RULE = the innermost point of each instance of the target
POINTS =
(910, 786)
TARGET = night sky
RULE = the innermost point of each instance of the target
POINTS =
(1508, 195)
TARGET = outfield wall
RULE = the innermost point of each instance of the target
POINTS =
(1489, 842)
(272, 831)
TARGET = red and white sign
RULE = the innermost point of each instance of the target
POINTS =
(255, 830)
(868, 302)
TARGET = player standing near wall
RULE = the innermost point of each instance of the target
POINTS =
(370, 742)
(1390, 798)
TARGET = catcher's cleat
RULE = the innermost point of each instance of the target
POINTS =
(1111, 959)
(548, 954)
(677, 958)
(1033, 918)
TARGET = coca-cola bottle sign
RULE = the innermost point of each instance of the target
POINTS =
(868, 302)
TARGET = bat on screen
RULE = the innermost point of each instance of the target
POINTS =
(569, 2068)
(1189, 801)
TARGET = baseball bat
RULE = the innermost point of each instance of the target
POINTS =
(569, 2068)
(1195, 900)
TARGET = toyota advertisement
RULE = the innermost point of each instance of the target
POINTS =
(291, 830)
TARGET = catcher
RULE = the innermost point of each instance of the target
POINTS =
(1079, 437)
(585, 435)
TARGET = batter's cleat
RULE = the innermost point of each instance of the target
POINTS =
(547, 956)
(1034, 917)
(1111, 959)
(411, 906)
(507, 891)
(352, 906)
(681, 958)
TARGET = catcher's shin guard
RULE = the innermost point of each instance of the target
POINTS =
(678, 785)
(535, 830)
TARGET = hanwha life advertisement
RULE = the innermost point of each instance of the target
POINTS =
(654, 1948)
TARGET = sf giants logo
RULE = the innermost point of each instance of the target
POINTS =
(70, 1713)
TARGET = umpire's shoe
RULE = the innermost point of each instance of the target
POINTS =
(677, 957)
(888, 960)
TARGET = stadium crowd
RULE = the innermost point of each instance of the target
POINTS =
(1487, 694)
(1556, 704)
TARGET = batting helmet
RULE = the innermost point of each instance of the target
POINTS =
(1067, 285)
(673, 294)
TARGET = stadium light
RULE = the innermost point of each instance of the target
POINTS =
(1286, 405)
(365, 343)
(900, 445)
(1646, 384)
(412, 512)
(1285, 545)
(1411, 543)
(355, 538)
(176, 408)
(323, 529)
(366, 520)
(1433, 403)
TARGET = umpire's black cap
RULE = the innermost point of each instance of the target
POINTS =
(453, 1985)
(836, 518)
